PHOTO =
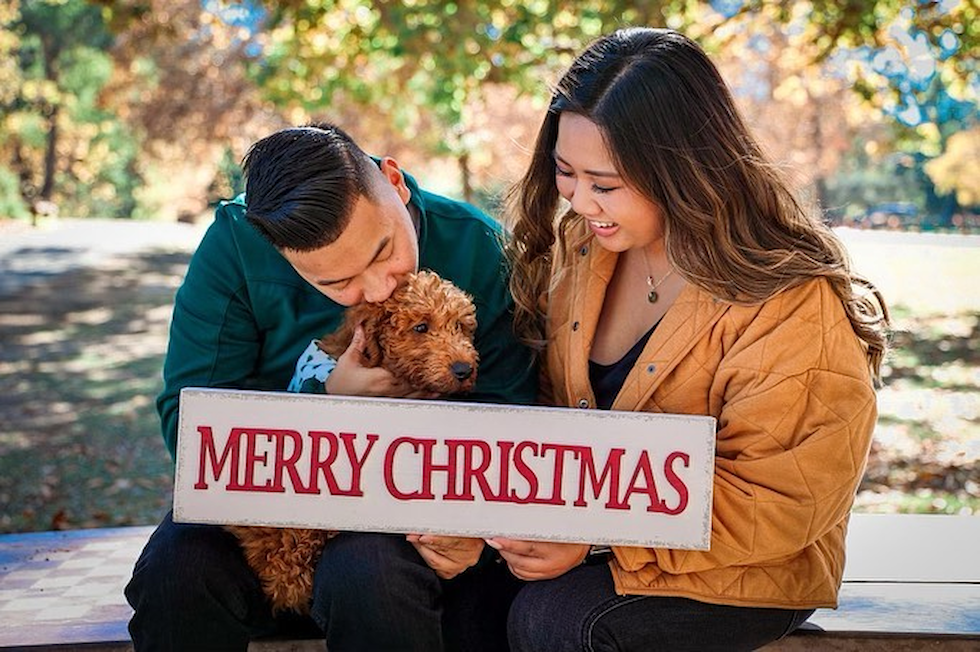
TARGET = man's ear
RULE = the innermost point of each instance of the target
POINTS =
(393, 173)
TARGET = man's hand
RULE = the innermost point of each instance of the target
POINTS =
(539, 560)
(447, 556)
(352, 378)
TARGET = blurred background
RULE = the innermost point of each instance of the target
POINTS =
(122, 124)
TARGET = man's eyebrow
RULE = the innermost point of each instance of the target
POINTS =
(591, 173)
(377, 252)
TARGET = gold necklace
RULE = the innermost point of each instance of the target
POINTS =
(652, 295)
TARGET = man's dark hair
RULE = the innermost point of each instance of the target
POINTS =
(302, 183)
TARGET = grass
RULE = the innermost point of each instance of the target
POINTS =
(81, 352)
(925, 455)
(79, 366)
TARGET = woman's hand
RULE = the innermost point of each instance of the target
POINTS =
(447, 556)
(539, 560)
(352, 378)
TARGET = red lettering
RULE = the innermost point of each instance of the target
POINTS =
(322, 467)
(559, 474)
(648, 487)
(254, 459)
(504, 486)
(356, 463)
(675, 481)
(429, 467)
(525, 471)
(288, 464)
(425, 491)
(610, 471)
(208, 452)
(469, 471)
(251, 459)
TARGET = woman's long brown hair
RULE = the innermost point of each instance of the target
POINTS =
(732, 226)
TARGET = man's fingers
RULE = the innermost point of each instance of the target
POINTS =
(442, 565)
(357, 342)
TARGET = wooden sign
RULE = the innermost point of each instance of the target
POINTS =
(387, 465)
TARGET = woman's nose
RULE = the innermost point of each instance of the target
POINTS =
(582, 201)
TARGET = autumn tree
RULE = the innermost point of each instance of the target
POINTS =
(58, 49)
(11, 82)
(406, 59)
(179, 81)
(956, 170)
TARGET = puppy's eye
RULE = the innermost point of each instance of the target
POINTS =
(421, 328)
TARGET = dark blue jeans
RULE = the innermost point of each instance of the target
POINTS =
(192, 590)
(580, 611)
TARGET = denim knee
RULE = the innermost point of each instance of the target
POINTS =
(534, 625)
(183, 563)
(374, 591)
(192, 581)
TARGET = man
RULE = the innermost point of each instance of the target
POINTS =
(324, 227)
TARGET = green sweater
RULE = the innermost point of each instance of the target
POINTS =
(243, 316)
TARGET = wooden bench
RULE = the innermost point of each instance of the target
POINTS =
(64, 591)
(911, 583)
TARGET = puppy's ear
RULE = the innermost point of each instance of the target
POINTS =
(371, 316)
(334, 344)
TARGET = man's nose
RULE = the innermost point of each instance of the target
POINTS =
(378, 287)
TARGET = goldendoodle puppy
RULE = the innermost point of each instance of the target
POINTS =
(423, 334)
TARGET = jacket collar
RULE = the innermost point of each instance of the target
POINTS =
(694, 312)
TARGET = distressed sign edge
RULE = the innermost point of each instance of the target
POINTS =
(219, 394)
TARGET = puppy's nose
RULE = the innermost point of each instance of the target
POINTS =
(461, 370)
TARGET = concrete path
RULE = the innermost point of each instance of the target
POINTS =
(31, 254)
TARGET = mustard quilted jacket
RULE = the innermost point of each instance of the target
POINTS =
(788, 383)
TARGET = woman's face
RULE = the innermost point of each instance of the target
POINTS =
(620, 217)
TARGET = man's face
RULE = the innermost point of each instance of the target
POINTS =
(375, 253)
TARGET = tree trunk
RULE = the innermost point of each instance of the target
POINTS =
(50, 51)
(466, 177)
(50, 157)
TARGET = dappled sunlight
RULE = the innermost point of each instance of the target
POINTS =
(930, 274)
(954, 415)
(91, 317)
(80, 364)
(926, 451)
(81, 355)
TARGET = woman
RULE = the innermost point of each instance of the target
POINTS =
(683, 277)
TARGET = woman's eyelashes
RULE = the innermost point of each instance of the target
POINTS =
(595, 187)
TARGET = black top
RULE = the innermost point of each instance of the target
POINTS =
(608, 379)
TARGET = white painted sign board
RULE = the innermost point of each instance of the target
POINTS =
(390, 465)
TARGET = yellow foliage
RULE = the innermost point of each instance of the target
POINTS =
(956, 170)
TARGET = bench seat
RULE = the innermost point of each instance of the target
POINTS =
(912, 582)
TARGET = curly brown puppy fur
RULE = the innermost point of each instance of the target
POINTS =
(422, 334)
(284, 559)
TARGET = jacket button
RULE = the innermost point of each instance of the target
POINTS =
(584, 250)
(651, 368)
(575, 326)
(583, 402)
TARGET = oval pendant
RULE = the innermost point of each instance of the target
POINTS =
(652, 296)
